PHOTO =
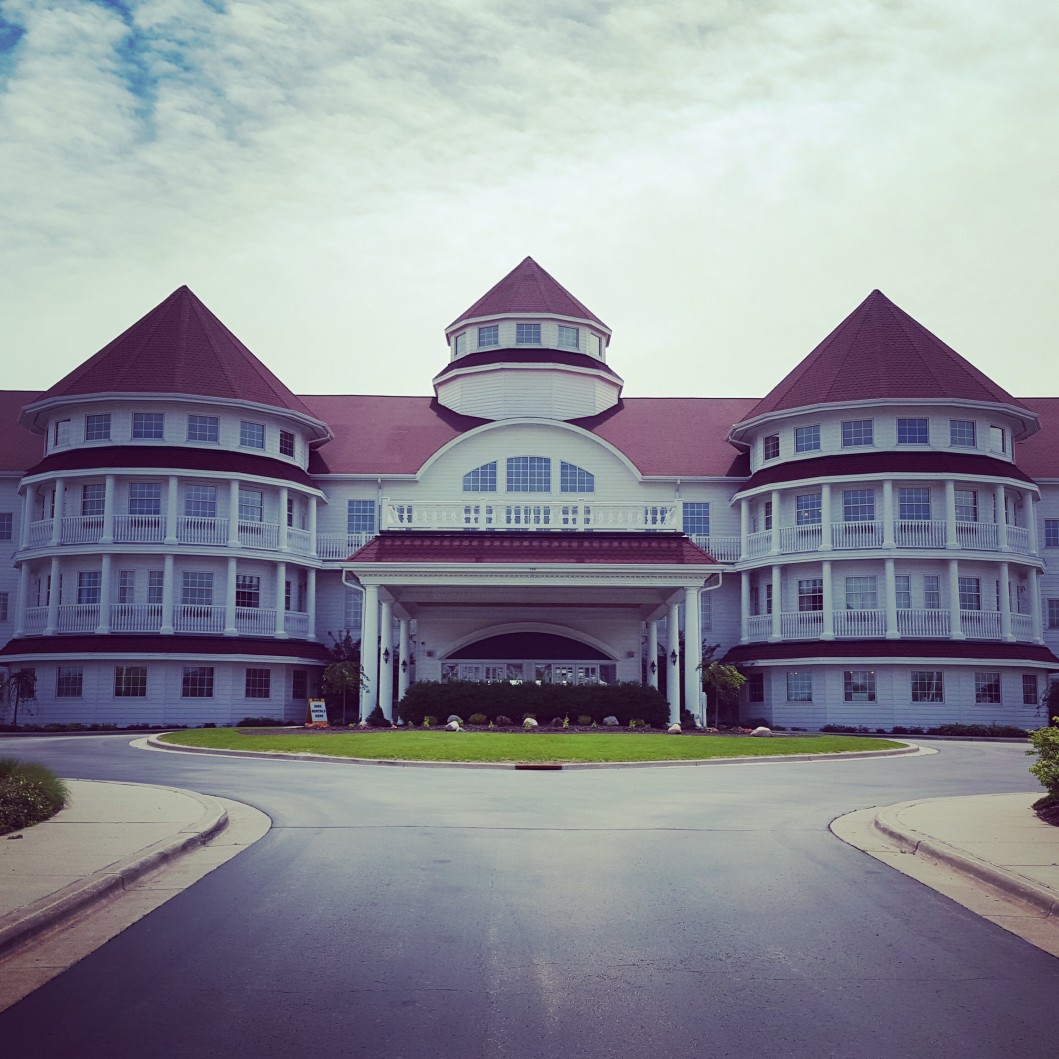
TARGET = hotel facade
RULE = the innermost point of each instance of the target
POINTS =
(875, 542)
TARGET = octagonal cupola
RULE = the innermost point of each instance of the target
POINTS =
(528, 348)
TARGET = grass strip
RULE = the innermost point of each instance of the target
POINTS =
(521, 746)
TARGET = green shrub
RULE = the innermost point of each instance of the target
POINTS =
(261, 722)
(29, 793)
(1008, 730)
(1046, 746)
(584, 720)
(478, 718)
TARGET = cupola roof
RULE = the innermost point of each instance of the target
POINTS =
(527, 290)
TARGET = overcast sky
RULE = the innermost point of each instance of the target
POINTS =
(720, 182)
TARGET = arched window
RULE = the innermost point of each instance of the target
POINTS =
(529, 474)
(574, 479)
(481, 479)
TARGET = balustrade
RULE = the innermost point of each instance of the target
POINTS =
(78, 617)
(259, 534)
(139, 529)
(198, 617)
(192, 529)
(296, 623)
(135, 617)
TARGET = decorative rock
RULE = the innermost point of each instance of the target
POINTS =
(557, 722)
(502, 721)
(761, 731)
(611, 722)
(673, 729)
(452, 717)
(453, 726)
(529, 724)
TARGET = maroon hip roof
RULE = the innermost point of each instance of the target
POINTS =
(834, 650)
(473, 546)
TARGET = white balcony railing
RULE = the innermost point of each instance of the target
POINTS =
(1018, 539)
(299, 540)
(40, 532)
(856, 534)
(487, 513)
(36, 620)
(78, 617)
(802, 624)
(259, 534)
(340, 545)
(916, 533)
(723, 549)
(255, 621)
(1022, 626)
(82, 529)
(860, 624)
(758, 544)
(980, 624)
(192, 529)
(759, 626)
(923, 623)
(198, 617)
(979, 535)
(135, 617)
(296, 623)
(139, 529)
(800, 538)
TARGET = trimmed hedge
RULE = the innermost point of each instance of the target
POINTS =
(626, 702)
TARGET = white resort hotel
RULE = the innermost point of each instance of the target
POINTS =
(874, 542)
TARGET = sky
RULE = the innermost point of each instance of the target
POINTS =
(721, 182)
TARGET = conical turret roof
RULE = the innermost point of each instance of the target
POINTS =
(528, 290)
(179, 347)
(879, 351)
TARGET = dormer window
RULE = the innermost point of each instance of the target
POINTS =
(856, 432)
(251, 435)
(771, 447)
(488, 336)
(97, 427)
(998, 440)
(61, 433)
(913, 431)
(569, 337)
(286, 443)
(597, 344)
(528, 334)
(203, 428)
(461, 343)
(807, 439)
(149, 425)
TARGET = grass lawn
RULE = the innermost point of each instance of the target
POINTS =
(522, 746)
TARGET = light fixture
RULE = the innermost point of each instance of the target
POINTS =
(673, 656)
(385, 655)
(404, 665)
(654, 666)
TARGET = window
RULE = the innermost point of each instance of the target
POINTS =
(200, 501)
(130, 682)
(856, 432)
(569, 337)
(913, 505)
(927, 686)
(251, 505)
(93, 499)
(299, 684)
(858, 685)
(155, 586)
(197, 589)
(808, 510)
(203, 428)
(89, 584)
(286, 443)
(360, 516)
(807, 439)
(528, 334)
(481, 479)
(913, 431)
(148, 425)
(706, 610)
(7, 525)
(247, 590)
(61, 432)
(4, 604)
(1051, 532)
(799, 687)
(529, 474)
(932, 591)
(987, 687)
(1029, 689)
(970, 593)
(258, 683)
(966, 505)
(768, 597)
(962, 433)
(145, 498)
(574, 479)
(998, 440)
(488, 336)
(696, 518)
(290, 511)
(767, 512)
(1053, 614)
(858, 505)
(811, 594)
(460, 345)
(756, 687)
(197, 682)
(69, 682)
(862, 593)
(97, 427)
(770, 447)
(251, 435)
(597, 344)
(126, 586)
(903, 592)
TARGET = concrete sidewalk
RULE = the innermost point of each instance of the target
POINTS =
(110, 835)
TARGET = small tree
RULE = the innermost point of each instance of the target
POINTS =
(721, 684)
(18, 687)
(344, 674)
(1050, 701)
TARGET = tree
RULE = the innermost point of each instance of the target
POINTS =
(344, 674)
(1050, 701)
(18, 687)
(721, 684)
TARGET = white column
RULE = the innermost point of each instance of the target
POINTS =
(652, 654)
(829, 601)
(311, 525)
(888, 513)
(892, 632)
(1031, 523)
(1001, 518)
(744, 606)
(106, 574)
(826, 517)
(23, 600)
(168, 595)
(1035, 606)
(1005, 604)
(172, 495)
(30, 503)
(777, 604)
(233, 514)
(310, 602)
(369, 651)
(284, 496)
(386, 660)
(774, 538)
(281, 600)
(955, 622)
(108, 510)
(744, 526)
(693, 649)
(57, 501)
(404, 659)
(54, 591)
(673, 662)
(951, 540)
(229, 598)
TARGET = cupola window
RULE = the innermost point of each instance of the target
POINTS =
(481, 479)
(856, 432)
(252, 435)
(569, 337)
(962, 433)
(771, 447)
(461, 343)
(528, 334)
(488, 336)
(97, 427)
(149, 425)
(286, 443)
(913, 431)
(807, 439)
(203, 428)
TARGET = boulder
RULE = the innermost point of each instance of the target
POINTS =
(502, 721)
(452, 717)
(529, 724)
(453, 726)
(611, 722)
(761, 730)
(674, 729)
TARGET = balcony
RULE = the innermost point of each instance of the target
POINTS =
(492, 514)
(340, 546)
(871, 625)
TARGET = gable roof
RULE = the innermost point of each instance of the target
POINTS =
(879, 351)
(528, 289)
(179, 347)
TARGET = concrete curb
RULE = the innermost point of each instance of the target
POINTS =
(523, 766)
(19, 926)
(1008, 882)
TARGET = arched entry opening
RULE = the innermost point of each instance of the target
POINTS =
(543, 657)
